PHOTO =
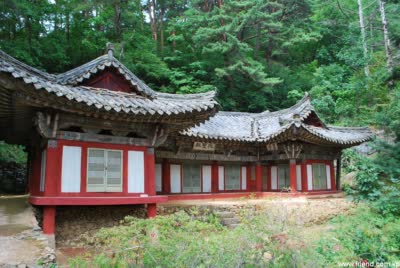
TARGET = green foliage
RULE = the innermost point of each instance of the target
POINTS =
(180, 240)
(364, 235)
(259, 54)
(12, 153)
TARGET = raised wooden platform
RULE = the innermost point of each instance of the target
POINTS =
(95, 201)
(211, 196)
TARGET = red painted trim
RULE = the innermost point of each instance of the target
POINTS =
(249, 182)
(304, 179)
(214, 177)
(94, 201)
(166, 176)
(49, 220)
(109, 79)
(333, 178)
(293, 175)
(53, 169)
(151, 210)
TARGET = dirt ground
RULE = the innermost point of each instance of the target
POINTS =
(21, 241)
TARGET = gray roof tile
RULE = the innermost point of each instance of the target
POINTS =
(263, 127)
(155, 103)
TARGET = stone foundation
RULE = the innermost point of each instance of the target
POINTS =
(12, 178)
(75, 225)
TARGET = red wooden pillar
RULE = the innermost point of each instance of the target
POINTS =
(259, 186)
(49, 220)
(333, 179)
(166, 177)
(151, 210)
(214, 177)
(150, 171)
(304, 181)
(53, 167)
(292, 167)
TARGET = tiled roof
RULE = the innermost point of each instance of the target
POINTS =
(87, 70)
(266, 126)
(103, 99)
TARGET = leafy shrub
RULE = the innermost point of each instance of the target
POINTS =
(365, 235)
(12, 153)
(180, 240)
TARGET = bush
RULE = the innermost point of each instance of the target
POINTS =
(180, 240)
(364, 236)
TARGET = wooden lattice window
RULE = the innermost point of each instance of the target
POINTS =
(191, 178)
(283, 176)
(104, 171)
(319, 176)
(232, 177)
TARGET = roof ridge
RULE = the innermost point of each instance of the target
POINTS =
(26, 67)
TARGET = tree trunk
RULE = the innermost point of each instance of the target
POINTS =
(162, 29)
(117, 20)
(153, 22)
(388, 48)
(363, 36)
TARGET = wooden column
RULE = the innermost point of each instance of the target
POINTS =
(259, 182)
(333, 180)
(292, 167)
(214, 177)
(150, 172)
(304, 181)
(166, 177)
(49, 220)
(53, 167)
(249, 184)
(338, 171)
(151, 210)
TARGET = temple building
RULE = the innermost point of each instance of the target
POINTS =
(98, 135)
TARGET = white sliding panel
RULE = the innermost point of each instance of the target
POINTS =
(135, 172)
(71, 169)
(298, 177)
(274, 178)
(175, 178)
(206, 172)
(309, 177)
(43, 171)
(244, 178)
(221, 178)
(158, 177)
(328, 177)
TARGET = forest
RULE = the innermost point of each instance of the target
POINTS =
(259, 55)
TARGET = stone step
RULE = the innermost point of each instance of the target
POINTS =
(233, 226)
(230, 221)
(224, 214)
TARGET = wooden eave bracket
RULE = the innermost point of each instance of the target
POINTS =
(293, 150)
